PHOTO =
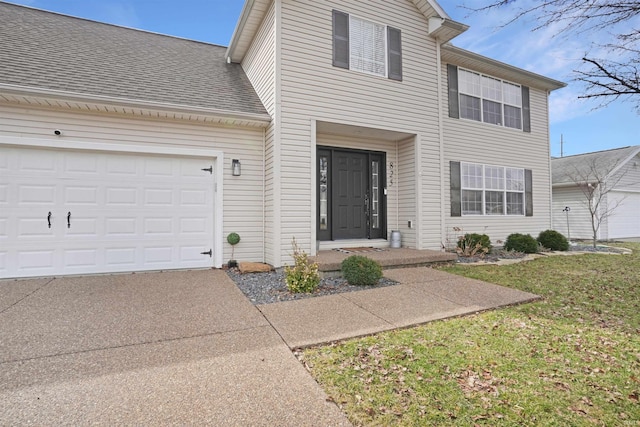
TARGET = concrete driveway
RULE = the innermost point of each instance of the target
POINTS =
(153, 348)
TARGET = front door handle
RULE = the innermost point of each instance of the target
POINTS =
(69, 220)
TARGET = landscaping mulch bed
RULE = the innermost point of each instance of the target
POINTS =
(267, 288)
(500, 254)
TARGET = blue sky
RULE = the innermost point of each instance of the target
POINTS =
(584, 127)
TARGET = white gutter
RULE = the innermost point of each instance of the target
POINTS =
(15, 90)
(546, 82)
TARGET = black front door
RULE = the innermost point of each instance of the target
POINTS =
(351, 201)
(349, 195)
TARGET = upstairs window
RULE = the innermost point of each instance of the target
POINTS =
(475, 96)
(491, 100)
(366, 46)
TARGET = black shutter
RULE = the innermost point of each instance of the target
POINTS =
(454, 108)
(528, 193)
(394, 38)
(456, 196)
(526, 111)
(340, 39)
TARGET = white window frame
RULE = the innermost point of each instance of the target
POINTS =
(494, 183)
(481, 95)
(386, 46)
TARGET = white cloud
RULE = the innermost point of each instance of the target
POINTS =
(118, 13)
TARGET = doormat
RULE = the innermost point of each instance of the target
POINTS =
(359, 250)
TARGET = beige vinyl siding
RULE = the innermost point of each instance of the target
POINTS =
(259, 62)
(312, 89)
(260, 66)
(404, 177)
(579, 217)
(477, 142)
(243, 195)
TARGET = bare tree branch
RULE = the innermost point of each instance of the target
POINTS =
(604, 78)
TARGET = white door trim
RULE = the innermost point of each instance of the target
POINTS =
(139, 148)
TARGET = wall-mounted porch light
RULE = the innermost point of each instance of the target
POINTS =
(235, 167)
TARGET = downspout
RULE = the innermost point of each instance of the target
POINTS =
(264, 195)
(441, 143)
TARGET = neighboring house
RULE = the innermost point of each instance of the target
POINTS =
(618, 172)
(348, 119)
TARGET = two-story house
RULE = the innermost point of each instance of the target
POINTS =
(330, 122)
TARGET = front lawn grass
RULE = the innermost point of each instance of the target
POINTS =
(571, 359)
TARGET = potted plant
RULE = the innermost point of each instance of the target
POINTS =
(233, 239)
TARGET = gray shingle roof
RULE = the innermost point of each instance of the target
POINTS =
(46, 50)
(566, 170)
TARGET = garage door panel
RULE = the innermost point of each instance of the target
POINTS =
(121, 196)
(81, 164)
(84, 259)
(158, 197)
(117, 227)
(4, 194)
(30, 227)
(120, 258)
(32, 194)
(37, 261)
(83, 227)
(158, 168)
(122, 166)
(86, 195)
(158, 226)
(47, 164)
(128, 212)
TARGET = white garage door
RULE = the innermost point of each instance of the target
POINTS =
(625, 219)
(73, 212)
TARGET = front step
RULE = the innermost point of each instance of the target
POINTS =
(329, 262)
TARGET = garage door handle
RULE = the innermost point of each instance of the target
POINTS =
(209, 252)
(49, 219)
(69, 220)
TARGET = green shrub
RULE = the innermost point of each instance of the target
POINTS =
(303, 276)
(472, 244)
(553, 240)
(521, 243)
(361, 271)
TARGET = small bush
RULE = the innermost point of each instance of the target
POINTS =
(521, 243)
(361, 271)
(303, 276)
(473, 244)
(553, 240)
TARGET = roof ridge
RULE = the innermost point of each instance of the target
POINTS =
(140, 30)
(596, 152)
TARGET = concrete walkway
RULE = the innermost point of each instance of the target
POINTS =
(424, 295)
(189, 348)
